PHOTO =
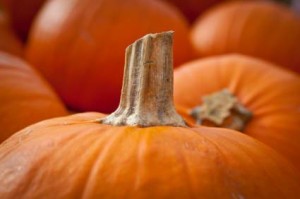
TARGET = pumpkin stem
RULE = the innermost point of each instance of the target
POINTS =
(222, 109)
(147, 92)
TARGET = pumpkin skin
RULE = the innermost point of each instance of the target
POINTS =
(75, 156)
(266, 30)
(25, 97)
(22, 14)
(268, 91)
(82, 54)
(8, 41)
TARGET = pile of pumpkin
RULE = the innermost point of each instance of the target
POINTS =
(237, 67)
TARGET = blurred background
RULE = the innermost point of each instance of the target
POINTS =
(23, 12)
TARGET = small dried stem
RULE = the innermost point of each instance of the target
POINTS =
(147, 93)
(222, 109)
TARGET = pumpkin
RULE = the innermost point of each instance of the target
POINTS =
(142, 150)
(265, 30)
(80, 51)
(261, 100)
(25, 97)
(8, 41)
(22, 14)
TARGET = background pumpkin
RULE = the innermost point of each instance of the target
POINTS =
(77, 156)
(25, 97)
(22, 13)
(8, 41)
(80, 51)
(269, 92)
(265, 30)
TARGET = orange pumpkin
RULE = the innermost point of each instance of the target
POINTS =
(269, 92)
(22, 13)
(25, 97)
(265, 30)
(80, 51)
(72, 156)
(143, 150)
(8, 41)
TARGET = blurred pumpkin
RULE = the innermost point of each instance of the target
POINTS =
(265, 30)
(8, 41)
(261, 99)
(141, 151)
(22, 14)
(79, 45)
(25, 97)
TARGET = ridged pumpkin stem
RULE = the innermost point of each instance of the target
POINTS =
(147, 92)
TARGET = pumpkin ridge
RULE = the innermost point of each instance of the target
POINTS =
(271, 177)
(140, 159)
(186, 171)
(103, 154)
(220, 152)
(37, 161)
(95, 144)
(242, 149)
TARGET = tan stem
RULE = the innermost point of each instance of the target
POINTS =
(222, 109)
(147, 92)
